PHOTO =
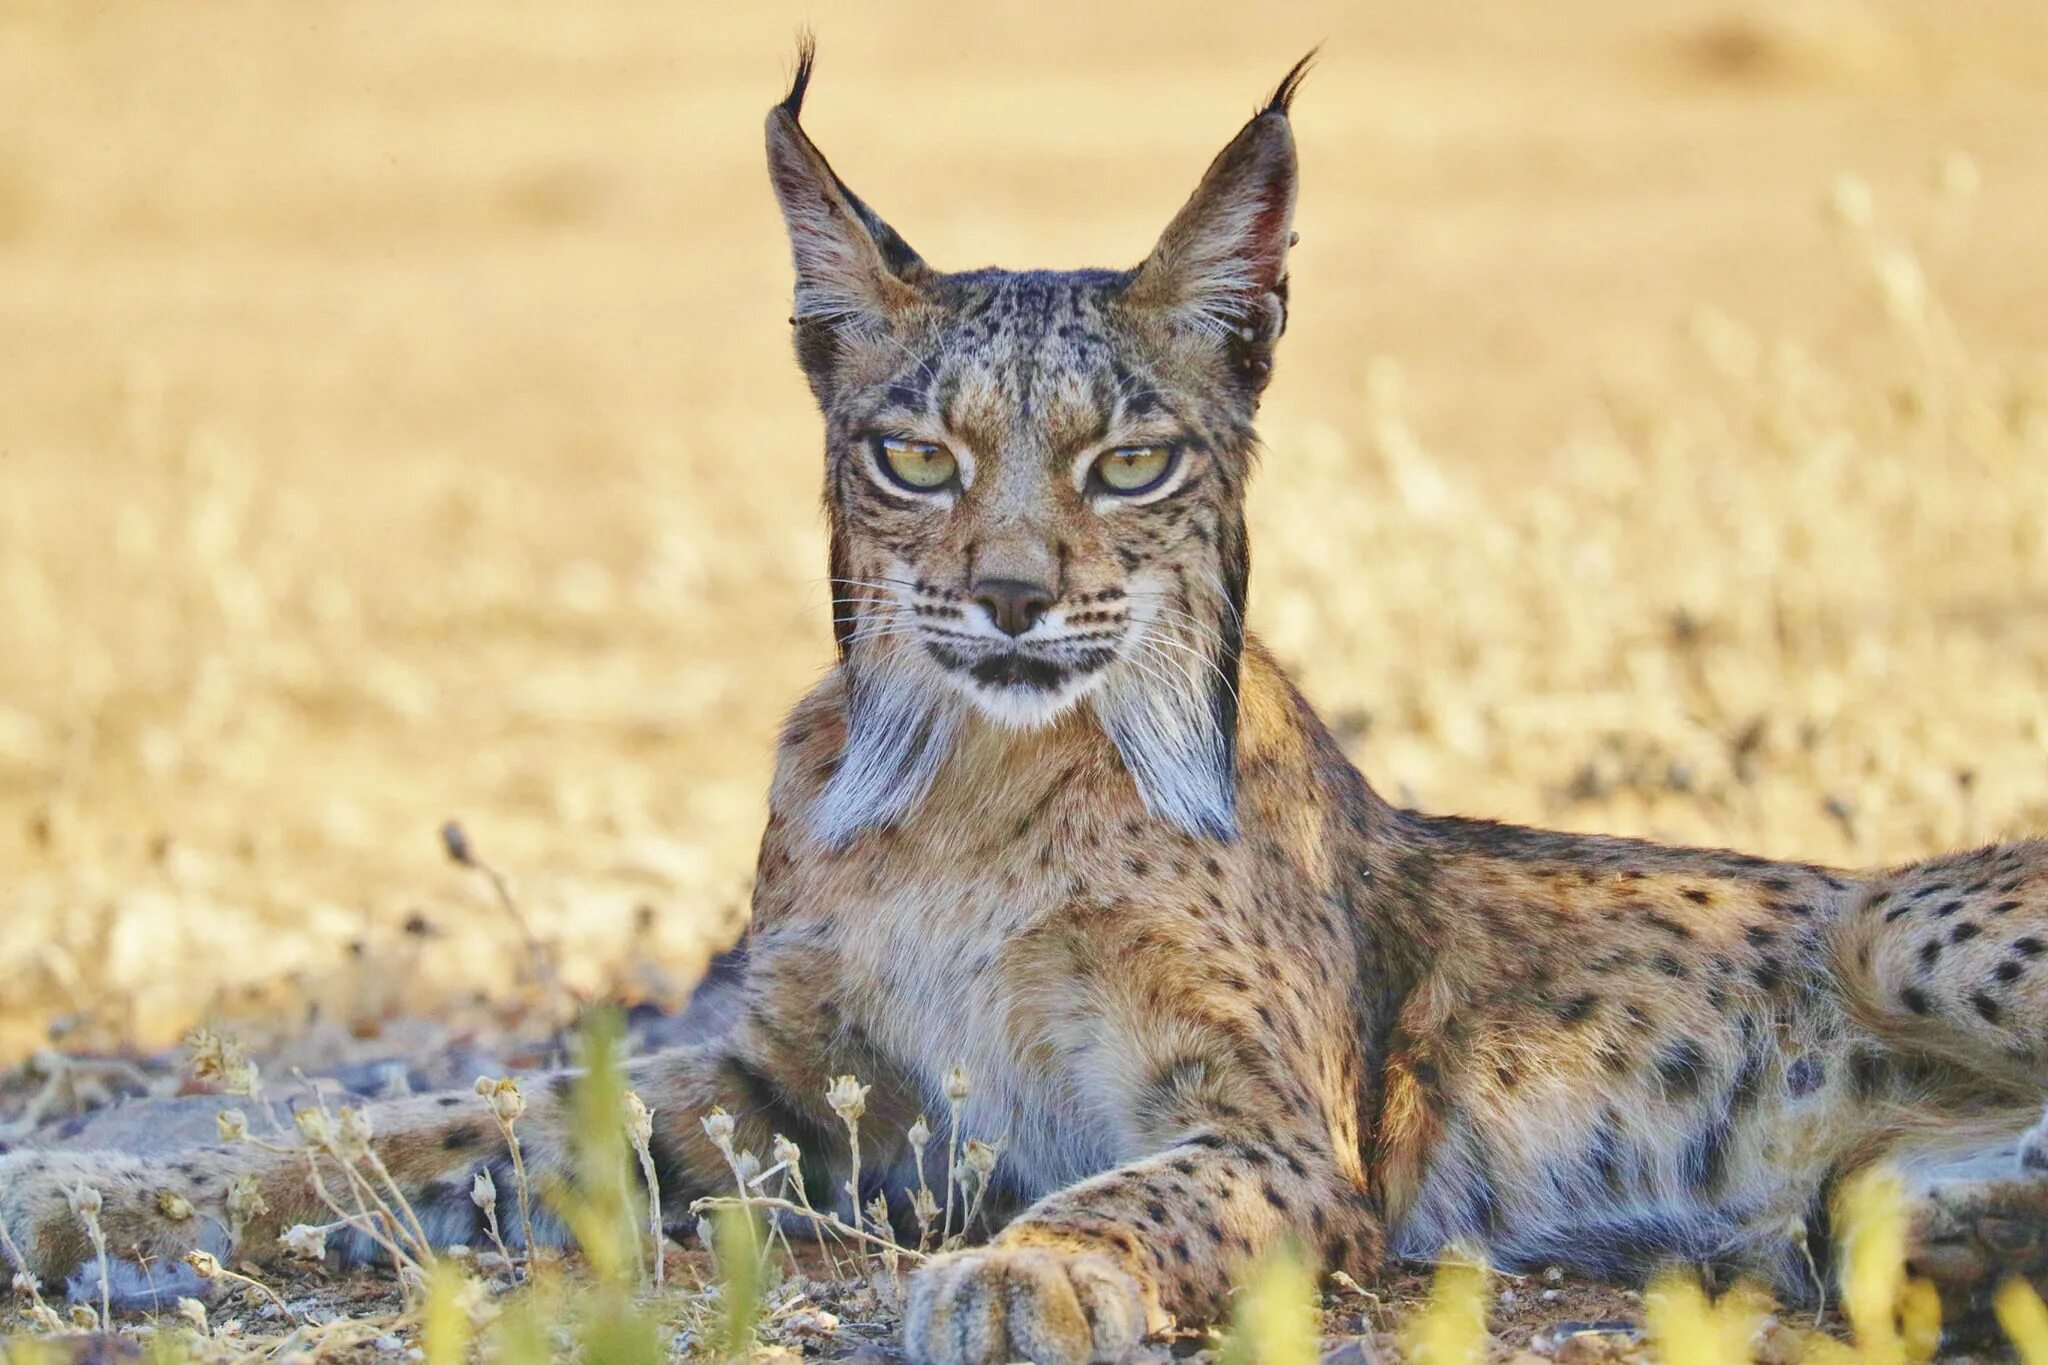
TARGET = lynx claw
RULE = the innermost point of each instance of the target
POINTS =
(1001, 1304)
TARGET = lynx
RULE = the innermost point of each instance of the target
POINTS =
(1056, 818)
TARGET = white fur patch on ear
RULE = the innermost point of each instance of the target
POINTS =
(1174, 746)
(852, 269)
(1225, 252)
(899, 730)
(841, 276)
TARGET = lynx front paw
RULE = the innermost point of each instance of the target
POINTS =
(50, 1202)
(1027, 1303)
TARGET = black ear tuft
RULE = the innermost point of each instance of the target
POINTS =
(807, 54)
(1283, 97)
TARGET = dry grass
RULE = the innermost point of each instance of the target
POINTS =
(398, 425)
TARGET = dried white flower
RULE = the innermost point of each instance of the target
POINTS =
(848, 1098)
(483, 1191)
(956, 1084)
(506, 1101)
(232, 1124)
(304, 1242)
(352, 1131)
(174, 1206)
(981, 1157)
(314, 1126)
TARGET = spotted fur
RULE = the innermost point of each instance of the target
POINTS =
(1213, 990)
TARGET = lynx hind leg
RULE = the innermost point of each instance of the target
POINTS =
(1949, 959)
(1979, 1216)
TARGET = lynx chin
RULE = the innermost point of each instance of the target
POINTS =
(1056, 818)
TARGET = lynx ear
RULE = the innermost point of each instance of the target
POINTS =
(1221, 265)
(852, 270)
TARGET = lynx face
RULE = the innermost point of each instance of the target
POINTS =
(1029, 503)
(1036, 479)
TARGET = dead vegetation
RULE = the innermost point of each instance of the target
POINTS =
(399, 423)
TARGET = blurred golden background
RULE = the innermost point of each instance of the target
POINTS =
(397, 423)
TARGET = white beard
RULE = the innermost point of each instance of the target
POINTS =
(900, 726)
(904, 715)
(1174, 747)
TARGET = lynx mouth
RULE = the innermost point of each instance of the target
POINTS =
(1022, 686)
(1016, 672)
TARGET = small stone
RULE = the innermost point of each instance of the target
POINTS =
(1356, 1351)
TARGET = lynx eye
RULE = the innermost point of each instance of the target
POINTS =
(1134, 469)
(918, 465)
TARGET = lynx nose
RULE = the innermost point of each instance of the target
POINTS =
(1013, 604)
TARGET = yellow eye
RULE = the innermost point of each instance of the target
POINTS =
(918, 464)
(1133, 469)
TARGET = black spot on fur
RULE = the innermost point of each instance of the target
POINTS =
(1578, 1009)
(1704, 1161)
(1915, 999)
(463, 1137)
(1805, 1075)
(1682, 1067)
(1964, 932)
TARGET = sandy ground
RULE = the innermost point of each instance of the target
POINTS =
(396, 423)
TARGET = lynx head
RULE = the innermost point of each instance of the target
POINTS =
(1036, 479)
